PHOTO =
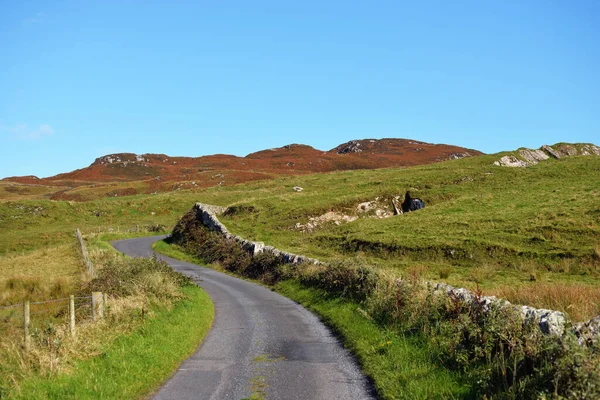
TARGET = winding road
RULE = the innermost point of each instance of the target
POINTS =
(261, 344)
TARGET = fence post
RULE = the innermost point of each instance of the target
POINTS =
(97, 306)
(26, 322)
(84, 252)
(72, 314)
(104, 303)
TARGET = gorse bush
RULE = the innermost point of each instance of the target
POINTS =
(501, 356)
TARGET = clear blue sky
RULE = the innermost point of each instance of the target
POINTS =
(81, 79)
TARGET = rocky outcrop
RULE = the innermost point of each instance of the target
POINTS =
(558, 151)
(533, 156)
(510, 161)
(590, 149)
(352, 146)
(458, 156)
(550, 322)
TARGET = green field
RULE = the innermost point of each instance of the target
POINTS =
(532, 235)
(529, 234)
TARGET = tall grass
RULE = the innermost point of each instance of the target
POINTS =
(577, 300)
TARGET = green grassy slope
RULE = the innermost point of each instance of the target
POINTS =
(496, 227)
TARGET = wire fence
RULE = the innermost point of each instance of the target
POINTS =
(32, 315)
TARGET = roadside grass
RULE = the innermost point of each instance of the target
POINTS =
(134, 365)
(399, 366)
(174, 251)
(155, 319)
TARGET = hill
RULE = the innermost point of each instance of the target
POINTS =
(128, 173)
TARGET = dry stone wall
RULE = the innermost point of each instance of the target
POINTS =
(549, 322)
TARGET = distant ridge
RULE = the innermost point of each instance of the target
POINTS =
(160, 172)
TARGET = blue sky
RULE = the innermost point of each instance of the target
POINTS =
(79, 80)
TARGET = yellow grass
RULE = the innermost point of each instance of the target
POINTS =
(580, 302)
(40, 274)
(15, 191)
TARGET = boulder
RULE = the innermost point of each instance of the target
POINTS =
(590, 149)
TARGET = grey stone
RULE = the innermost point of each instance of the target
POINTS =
(588, 332)
(551, 152)
(533, 156)
(511, 161)
(590, 149)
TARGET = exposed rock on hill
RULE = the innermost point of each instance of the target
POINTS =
(527, 157)
(511, 161)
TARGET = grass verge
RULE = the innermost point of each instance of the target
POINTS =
(400, 367)
(134, 365)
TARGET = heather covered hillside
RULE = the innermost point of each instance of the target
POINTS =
(127, 174)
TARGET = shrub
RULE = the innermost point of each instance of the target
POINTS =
(122, 277)
(345, 278)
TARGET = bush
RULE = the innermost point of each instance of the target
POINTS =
(122, 277)
(345, 278)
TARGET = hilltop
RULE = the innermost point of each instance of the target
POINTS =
(128, 173)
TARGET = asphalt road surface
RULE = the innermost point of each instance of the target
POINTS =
(260, 344)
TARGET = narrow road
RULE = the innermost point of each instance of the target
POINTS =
(260, 344)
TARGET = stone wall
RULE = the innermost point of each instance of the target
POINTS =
(549, 322)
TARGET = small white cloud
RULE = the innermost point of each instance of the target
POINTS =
(36, 19)
(43, 130)
(22, 131)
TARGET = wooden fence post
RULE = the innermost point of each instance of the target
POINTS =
(97, 306)
(72, 314)
(84, 252)
(104, 303)
(26, 322)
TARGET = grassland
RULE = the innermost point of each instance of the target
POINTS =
(530, 234)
